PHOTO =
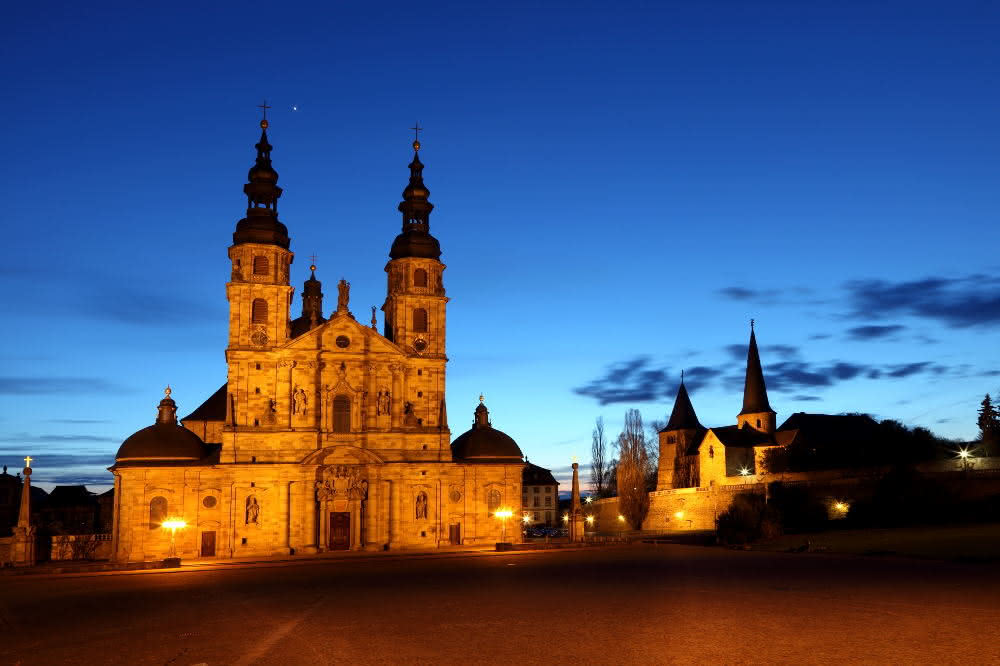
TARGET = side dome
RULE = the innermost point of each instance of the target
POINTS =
(164, 440)
(484, 443)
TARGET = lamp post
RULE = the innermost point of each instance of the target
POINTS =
(503, 515)
(173, 525)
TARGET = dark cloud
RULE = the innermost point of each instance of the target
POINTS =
(69, 478)
(908, 369)
(630, 381)
(695, 378)
(784, 351)
(744, 294)
(806, 398)
(820, 336)
(54, 439)
(55, 385)
(79, 421)
(958, 302)
(147, 306)
(61, 461)
(873, 332)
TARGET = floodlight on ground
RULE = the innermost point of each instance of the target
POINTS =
(621, 518)
(842, 507)
(678, 515)
(565, 517)
(173, 524)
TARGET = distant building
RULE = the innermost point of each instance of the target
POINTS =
(70, 510)
(10, 501)
(540, 495)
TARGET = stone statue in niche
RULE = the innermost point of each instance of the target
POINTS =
(252, 511)
(421, 506)
(300, 401)
(384, 403)
(271, 415)
(343, 294)
(409, 418)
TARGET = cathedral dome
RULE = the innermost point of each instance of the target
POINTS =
(484, 443)
(413, 243)
(164, 440)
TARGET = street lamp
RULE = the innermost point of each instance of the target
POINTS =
(503, 515)
(589, 499)
(744, 472)
(968, 460)
(173, 525)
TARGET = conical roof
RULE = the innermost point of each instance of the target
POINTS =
(754, 389)
(683, 416)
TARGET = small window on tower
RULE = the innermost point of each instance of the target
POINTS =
(258, 314)
(420, 320)
(420, 278)
(260, 265)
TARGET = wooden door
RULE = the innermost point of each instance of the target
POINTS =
(455, 534)
(340, 530)
(208, 544)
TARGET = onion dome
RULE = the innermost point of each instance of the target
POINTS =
(754, 390)
(416, 240)
(261, 224)
(484, 443)
(164, 440)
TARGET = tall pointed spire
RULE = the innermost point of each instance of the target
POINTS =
(415, 239)
(683, 416)
(754, 390)
(261, 224)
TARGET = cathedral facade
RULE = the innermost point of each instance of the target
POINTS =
(327, 434)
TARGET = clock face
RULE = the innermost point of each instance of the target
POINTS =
(420, 344)
(259, 338)
(343, 341)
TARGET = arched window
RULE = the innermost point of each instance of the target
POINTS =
(258, 314)
(420, 320)
(260, 265)
(342, 414)
(157, 511)
(420, 278)
(493, 501)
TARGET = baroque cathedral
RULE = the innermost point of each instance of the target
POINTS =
(327, 433)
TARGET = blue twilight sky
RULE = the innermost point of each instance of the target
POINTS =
(619, 188)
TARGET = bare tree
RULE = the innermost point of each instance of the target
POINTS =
(653, 451)
(599, 459)
(633, 470)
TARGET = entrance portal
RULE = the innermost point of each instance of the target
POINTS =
(340, 530)
(208, 544)
(455, 534)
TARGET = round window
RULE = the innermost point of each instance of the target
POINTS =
(420, 344)
(455, 495)
(343, 341)
(209, 501)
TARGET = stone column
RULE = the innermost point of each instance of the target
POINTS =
(285, 499)
(576, 520)
(397, 395)
(23, 548)
(371, 512)
(370, 418)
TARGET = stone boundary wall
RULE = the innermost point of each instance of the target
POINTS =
(6, 544)
(698, 508)
(81, 547)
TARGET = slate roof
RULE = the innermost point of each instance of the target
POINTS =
(744, 437)
(754, 389)
(213, 409)
(683, 416)
(827, 429)
(533, 475)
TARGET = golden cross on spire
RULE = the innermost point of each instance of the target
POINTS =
(416, 135)
(27, 461)
(263, 107)
(312, 257)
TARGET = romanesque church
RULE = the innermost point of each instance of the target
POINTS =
(327, 434)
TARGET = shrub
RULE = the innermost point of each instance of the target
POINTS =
(748, 519)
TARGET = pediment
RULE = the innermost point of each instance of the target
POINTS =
(342, 454)
(329, 336)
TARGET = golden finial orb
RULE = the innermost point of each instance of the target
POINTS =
(416, 145)
(263, 123)
(312, 267)
(481, 397)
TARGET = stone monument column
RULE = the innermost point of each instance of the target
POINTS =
(23, 548)
(576, 521)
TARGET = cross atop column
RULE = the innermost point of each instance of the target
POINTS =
(27, 461)
(263, 107)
